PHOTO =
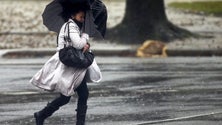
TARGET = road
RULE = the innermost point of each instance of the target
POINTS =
(160, 91)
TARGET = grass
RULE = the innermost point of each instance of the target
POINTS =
(212, 8)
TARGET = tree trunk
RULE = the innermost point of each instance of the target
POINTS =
(145, 19)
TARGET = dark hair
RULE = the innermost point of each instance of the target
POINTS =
(70, 9)
(76, 9)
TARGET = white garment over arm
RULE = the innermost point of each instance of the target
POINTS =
(78, 40)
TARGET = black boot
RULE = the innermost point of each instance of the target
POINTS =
(44, 113)
(81, 115)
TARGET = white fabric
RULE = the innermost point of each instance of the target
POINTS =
(77, 41)
(55, 76)
(93, 73)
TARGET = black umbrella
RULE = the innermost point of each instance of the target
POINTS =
(99, 13)
(56, 14)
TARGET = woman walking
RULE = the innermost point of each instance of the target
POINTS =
(79, 41)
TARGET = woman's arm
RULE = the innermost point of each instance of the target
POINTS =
(78, 42)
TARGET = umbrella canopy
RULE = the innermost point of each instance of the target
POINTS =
(99, 13)
(57, 13)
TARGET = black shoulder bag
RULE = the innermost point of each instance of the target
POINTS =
(73, 57)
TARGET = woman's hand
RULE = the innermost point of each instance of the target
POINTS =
(86, 47)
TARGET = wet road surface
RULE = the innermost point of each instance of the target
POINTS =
(168, 91)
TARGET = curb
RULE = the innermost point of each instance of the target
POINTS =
(25, 53)
(193, 52)
(22, 53)
(125, 52)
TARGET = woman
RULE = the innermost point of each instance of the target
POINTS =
(79, 41)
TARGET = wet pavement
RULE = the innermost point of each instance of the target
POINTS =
(160, 91)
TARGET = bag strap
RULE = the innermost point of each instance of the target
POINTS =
(67, 37)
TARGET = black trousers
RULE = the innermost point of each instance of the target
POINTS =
(82, 92)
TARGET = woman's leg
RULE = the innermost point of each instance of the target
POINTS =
(60, 101)
(83, 94)
(50, 109)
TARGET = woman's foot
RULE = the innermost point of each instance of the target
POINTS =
(81, 115)
(39, 120)
(45, 113)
